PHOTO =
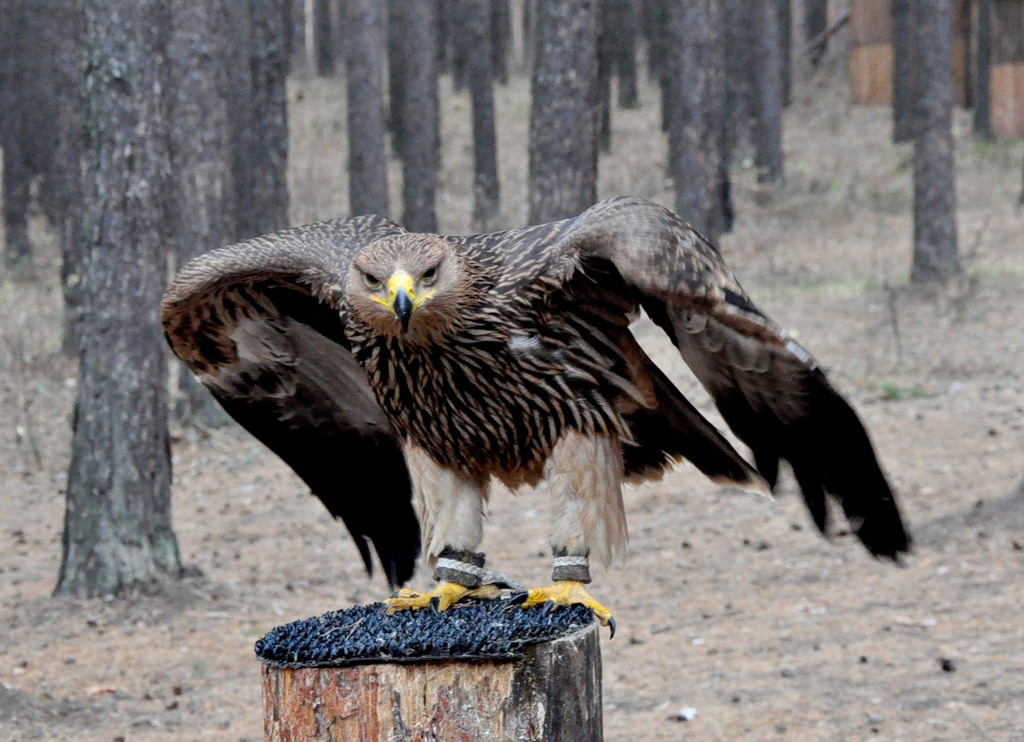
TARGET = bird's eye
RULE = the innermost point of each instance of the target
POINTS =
(429, 277)
(372, 282)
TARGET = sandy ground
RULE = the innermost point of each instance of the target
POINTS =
(730, 604)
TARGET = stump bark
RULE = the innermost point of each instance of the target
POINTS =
(552, 693)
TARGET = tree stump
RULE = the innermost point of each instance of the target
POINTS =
(549, 691)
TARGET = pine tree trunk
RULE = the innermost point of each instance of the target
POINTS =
(696, 124)
(117, 529)
(903, 96)
(623, 23)
(982, 67)
(486, 192)
(420, 118)
(364, 64)
(200, 157)
(69, 69)
(785, 25)
(14, 133)
(815, 24)
(766, 87)
(447, 11)
(550, 694)
(738, 57)
(301, 59)
(935, 242)
(268, 161)
(16, 193)
(529, 35)
(258, 116)
(655, 20)
(564, 111)
(1020, 196)
(501, 38)
(240, 113)
(605, 70)
(323, 36)
(32, 39)
(397, 73)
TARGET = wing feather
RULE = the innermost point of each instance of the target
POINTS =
(770, 391)
(261, 324)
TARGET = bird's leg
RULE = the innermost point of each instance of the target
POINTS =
(449, 504)
(584, 475)
(570, 575)
(450, 508)
(460, 574)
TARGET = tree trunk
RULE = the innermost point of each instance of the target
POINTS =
(17, 182)
(420, 118)
(397, 73)
(785, 25)
(323, 36)
(268, 171)
(622, 24)
(201, 158)
(117, 528)
(257, 109)
(240, 113)
(29, 121)
(815, 24)
(552, 693)
(982, 66)
(364, 65)
(605, 70)
(15, 134)
(1020, 196)
(655, 19)
(696, 124)
(903, 95)
(738, 59)
(501, 38)
(564, 111)
(71, 69)
(529, 28)
(766, 85)
(301, 59)
(447, 10)
(935, 242)
(486, 192)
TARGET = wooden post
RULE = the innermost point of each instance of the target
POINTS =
(1007, 71)
(871, 53)
(552, 693)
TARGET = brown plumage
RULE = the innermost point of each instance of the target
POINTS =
(432, 363)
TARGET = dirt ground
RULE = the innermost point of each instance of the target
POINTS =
(729, 603)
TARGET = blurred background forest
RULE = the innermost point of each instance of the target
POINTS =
(859, 161)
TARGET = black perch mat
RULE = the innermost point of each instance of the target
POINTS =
(488, 629)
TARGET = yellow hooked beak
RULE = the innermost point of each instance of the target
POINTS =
(402, 295)
(402, 299)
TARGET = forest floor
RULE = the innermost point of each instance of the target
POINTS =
(728, 603)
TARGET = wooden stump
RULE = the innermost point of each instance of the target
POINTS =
(552, 693)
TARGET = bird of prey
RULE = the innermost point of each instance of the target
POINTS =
(400, 373)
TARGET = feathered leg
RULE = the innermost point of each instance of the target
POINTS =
(584, 475)
(450, 508)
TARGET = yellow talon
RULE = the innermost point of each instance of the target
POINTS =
(569, 592)
(447, 594)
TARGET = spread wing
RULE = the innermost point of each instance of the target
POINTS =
(770, 391)
(261, 324)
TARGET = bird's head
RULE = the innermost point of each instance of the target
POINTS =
(407, 284)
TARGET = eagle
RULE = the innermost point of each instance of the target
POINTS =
(400, 374)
